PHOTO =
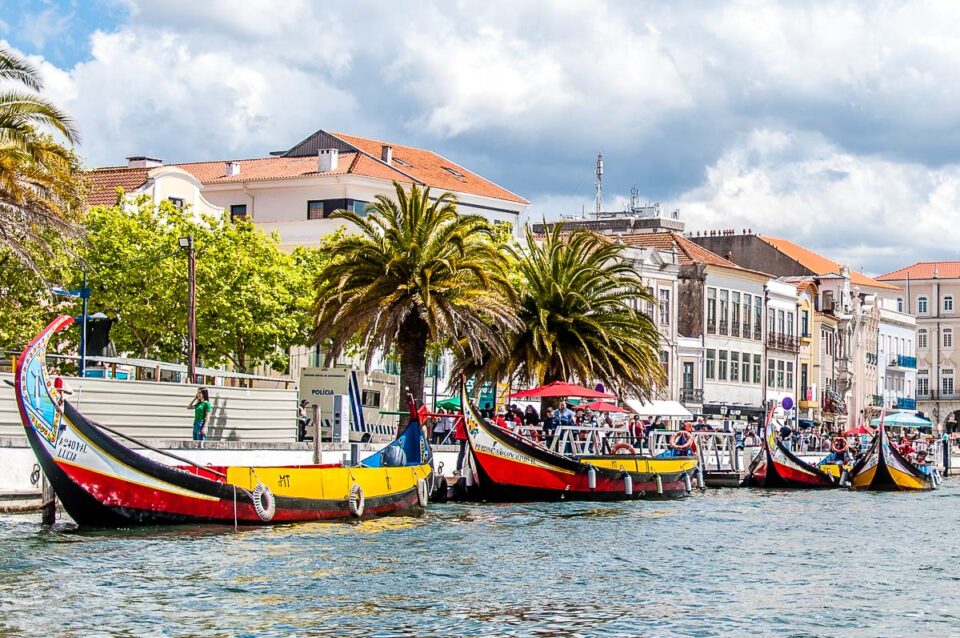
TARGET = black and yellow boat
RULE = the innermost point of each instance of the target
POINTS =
(883, 467)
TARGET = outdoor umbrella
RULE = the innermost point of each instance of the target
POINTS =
(561, 389)
(603, 406)
(903, 420)
(857, 431)
(453, 403)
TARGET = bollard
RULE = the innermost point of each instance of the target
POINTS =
(946, 455)
(592, 478)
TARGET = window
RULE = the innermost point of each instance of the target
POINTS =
(370, 398)
(756, 369)
(789, 324)
(948, 303)
(315, 209)
(722, 372)
(712, 310)
(735, 313)
(899, 304)
(757, 317)
(747, 302)
(735, 366)
(788, 382)
(238, 211)
(771, 372)
(922, 338)
(780, 374)
(456, 174)
(771, 322)
(665, 362)
(323, 208)
(745, 375)
(946, 385)
(921, 305)
(711, 364)
(177, 202)
(724, 311)
(923, 386)
(400, 162)
(781, 322)
(665, 306)
(948, 337)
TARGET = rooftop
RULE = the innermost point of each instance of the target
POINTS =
(820, 264)
(925, 270)
(687, 252)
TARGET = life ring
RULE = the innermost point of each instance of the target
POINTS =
(356, 501)
(840, 445)
(423, 493)
(623, 447)
(681, 446)
(264, 503)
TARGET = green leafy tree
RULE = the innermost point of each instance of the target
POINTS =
(578, 321)
(416, 271)
(40, 184)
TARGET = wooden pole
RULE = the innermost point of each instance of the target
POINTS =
(192, 311)
(48, 502)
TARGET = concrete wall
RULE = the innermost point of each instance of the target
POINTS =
(749, 251)
(690, 297)
(159, 410)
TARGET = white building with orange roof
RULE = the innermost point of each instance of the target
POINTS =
(294, 192)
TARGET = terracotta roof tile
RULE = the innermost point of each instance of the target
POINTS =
(820, 264)
(105, 181)
(925, 270)
(432, 169)
(687, 251)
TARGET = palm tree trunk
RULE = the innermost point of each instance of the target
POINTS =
(412, 344)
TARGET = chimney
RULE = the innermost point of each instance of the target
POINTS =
(233, 168)
(327, 159)
(386, 154)
(142, 161)
(729, 255)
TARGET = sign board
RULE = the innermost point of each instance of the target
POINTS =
(379, 391)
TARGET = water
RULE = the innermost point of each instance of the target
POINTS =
(727, 562)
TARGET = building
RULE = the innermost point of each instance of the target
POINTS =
(929, 291)
(721, 306)
(294, 192)
(897, 358)
(782, 344)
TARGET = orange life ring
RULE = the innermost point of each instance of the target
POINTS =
(623, 446)
(681, 446)
(840, 445)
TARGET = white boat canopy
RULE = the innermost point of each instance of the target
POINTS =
(663, 409)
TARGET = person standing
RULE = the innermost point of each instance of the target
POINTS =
(460, 436)
(201, 412)
(786, 436)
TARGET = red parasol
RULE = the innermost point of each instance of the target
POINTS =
(561, 389)
(603, 406)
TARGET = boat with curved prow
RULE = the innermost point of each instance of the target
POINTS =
(103, 483)
(512, 468)
(883, 467)
(776, 466)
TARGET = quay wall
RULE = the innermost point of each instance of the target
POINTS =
(150, 409)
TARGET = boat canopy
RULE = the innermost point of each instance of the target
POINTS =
(903, 420)
(663, 409)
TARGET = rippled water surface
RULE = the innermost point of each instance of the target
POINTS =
(726, 562)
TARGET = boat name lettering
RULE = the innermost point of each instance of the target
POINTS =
(502, 452)
(283, 480)
(79, 447)
(66, 455)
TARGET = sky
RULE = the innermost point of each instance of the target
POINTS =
(833, 124)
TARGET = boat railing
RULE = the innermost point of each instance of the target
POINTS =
(717, 451)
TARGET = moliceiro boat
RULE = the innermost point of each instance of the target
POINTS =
(883, 467)
(103, 483)
(512, 468)
(776, 466)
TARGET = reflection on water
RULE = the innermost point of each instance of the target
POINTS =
(727, 562)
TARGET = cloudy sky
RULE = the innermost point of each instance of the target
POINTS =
(835, 124)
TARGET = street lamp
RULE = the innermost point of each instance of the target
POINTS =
(83, 293)
(186, 243)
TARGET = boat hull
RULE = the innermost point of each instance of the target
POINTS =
(777, 467)
(103, 483)
(883, 468)
(510, 468)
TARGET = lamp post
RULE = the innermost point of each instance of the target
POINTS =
(186, 243)
(83, 293)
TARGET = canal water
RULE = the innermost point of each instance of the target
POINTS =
(726, 562)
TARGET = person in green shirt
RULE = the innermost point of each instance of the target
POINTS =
(201, 411)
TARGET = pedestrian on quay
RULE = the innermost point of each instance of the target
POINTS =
(201, 412)
(303, 420)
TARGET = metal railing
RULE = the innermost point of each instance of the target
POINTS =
(781, 341)
(758, 334)
(691, 395)
(724, 327)
(735, 329)
(904, 403)
(903, 361)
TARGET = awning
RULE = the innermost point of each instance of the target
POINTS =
(453, 403)
(664, 409)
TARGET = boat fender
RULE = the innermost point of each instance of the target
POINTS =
(701, 484)
(687, 483)
(592, 478)
(659, 484)
(356, 501)
(839, 445)
(844, 478)
(675, 438)
(264, 503)
(422, 492)
(623, 447)
(627, 484)
(468, 471)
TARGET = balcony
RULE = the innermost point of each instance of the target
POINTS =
(711, 327)
(903, 362)
(691, 395)
(784, 342)
(903, 403)
(735, 329)
(876, 400)
(724, 327)
(872, 358)
(758, 334)
(746, 331)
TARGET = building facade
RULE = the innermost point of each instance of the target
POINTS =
(897, 358)
(782, 345)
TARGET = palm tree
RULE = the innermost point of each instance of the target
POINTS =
(579, 323)
(417, 272)
(39, 191)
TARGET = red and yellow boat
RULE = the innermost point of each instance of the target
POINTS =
(884, 468)
(103, 483)
(776, 466)
(512, 468)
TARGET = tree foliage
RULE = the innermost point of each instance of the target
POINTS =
(416, 271)
(578, 322)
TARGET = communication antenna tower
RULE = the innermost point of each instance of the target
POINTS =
(599, 184)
